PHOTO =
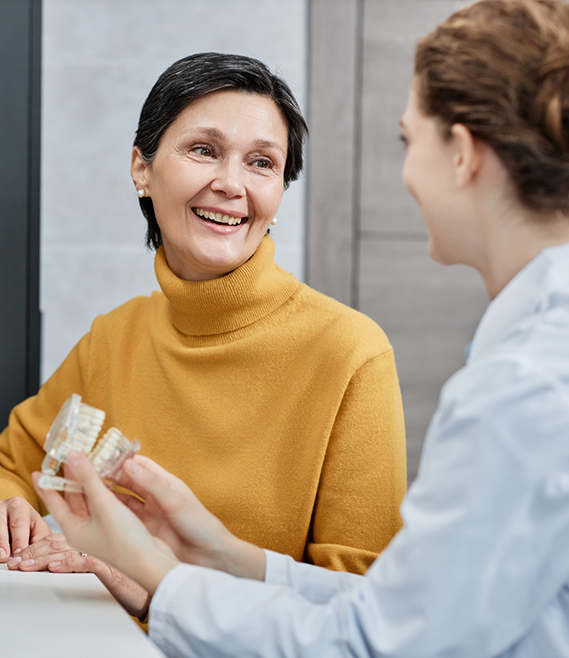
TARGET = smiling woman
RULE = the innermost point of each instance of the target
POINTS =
(279, 406)
(216, 181)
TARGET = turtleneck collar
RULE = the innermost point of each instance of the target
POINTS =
(249, 293)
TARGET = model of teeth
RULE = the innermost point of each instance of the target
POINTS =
(76, 427)
(218, 217)
(111, 452)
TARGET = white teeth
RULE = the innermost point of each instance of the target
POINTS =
(218, 217)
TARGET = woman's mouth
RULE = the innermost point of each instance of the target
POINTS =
(219, 218)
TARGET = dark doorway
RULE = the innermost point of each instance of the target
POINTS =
(20, 89)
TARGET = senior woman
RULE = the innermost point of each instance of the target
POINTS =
(279, 406)
(481, 568)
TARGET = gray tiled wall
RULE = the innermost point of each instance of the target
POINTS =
(100, 58)
(382, 265)
(428, 311)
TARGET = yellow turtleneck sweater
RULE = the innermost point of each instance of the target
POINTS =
(278, 406)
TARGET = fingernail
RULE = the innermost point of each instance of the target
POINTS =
(52, 565)
(74, 457)
(131, 466)
(27, 563)
(12, 562)
(17, 550)
(3, 553)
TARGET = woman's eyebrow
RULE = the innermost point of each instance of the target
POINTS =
(217, 134)
(268, 144)
(207, 132)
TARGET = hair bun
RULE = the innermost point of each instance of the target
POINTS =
(551, 105)
(501, 68)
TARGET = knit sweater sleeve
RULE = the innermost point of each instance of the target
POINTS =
(21, 443)
(363, 479)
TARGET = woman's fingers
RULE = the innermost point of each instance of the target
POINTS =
(134, 504)
(40, 552)
(38, 529)
(150, 479)
(152, 466)
(43, 562)
(108, 530)
(134, 471)
(70, 515)
(20, 525)
(73, 562)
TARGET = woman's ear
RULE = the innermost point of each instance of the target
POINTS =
(468, 156)
(139, 170)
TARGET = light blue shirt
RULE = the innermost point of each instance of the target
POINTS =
(481, 567)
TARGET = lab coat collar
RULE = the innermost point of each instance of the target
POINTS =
(527, 294)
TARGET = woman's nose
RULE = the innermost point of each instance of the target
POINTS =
(229, 178)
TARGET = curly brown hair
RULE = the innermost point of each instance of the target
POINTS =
(501, 68)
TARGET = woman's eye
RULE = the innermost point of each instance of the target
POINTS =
(262, 163)
(203, 150)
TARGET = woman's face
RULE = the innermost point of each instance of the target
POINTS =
(429, 173)
(216, 181)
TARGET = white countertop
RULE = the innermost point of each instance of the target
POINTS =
(46, 615)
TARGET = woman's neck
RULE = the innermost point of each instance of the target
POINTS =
(514, 238)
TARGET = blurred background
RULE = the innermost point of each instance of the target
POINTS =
(73, 232)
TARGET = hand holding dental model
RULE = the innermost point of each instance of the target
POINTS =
(76, 427)
(172, 525)
(106, 528)
(170, 511)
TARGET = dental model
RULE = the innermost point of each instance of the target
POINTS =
(76, 427)
(111, 452)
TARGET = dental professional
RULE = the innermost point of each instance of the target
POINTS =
(279, 406)
(481, 567)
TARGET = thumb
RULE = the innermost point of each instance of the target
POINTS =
(89, 479)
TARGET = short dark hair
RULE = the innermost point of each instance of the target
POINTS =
(195, 76)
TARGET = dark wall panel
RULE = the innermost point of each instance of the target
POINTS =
(20, 71)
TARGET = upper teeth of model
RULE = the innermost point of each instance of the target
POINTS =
(218, 217)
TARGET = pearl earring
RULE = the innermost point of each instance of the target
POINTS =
(141, 193)
(274, 221)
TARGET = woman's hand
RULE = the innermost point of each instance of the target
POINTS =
(172, 512)
(54, 554)
(97, 523)
(20, 526)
